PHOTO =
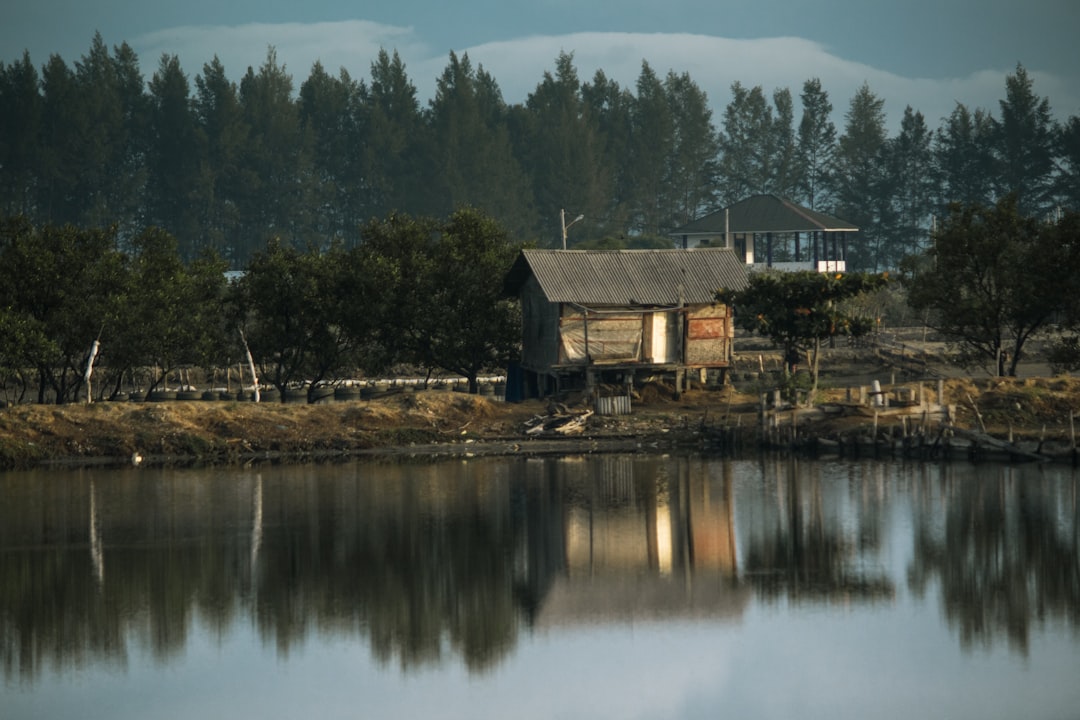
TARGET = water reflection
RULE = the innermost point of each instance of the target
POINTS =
(1001, 551)
(427, 562)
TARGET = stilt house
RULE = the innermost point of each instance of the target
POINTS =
(767, 231)
(592, 316)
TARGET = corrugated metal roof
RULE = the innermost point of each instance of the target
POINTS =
(629, 277)
(765, 213)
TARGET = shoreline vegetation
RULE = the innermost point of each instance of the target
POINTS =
(1009, 419)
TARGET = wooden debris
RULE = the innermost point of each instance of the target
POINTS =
(559, 423)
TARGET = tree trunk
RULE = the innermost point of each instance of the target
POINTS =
(815, 364)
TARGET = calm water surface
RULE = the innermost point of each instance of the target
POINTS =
(582, 587)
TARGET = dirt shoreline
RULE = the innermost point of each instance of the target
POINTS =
(439, 423)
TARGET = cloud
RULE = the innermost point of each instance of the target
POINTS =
(715, 63)
(352, 44)
(518, 65)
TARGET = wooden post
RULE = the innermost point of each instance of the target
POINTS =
(680, 350)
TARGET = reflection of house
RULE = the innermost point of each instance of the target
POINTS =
(593, 314)
(642, 545)
(769, 231)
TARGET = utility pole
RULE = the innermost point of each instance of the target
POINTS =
(565, 227)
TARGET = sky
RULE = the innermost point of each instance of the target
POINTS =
(927, 54)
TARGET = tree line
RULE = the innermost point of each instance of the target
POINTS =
(416, 292)
(228, 166)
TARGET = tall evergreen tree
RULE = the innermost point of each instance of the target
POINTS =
(62, 125)
(175, 156)
(1068, 189)
(749, 159)
(963, 159)
(559, 143)
(393, 140)
(910, 183)
(1025, 142)
(783, 150)
(472, 161)
(651, 152)
(20, 137)
(217, 109)
(276, 201)
(103, 139)
(612, 107)
(128, 171)
(696, 152)
(861, 196)
(816, 146)
(329, 114)
(94, 123)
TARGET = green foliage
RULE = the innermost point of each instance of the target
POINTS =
(59, 294)
(859, 178)
(757, 145)
(229, 165)
(171, 314)
(474, 327)
(1024, 144)
(797, 310)
(289, 307)
(433, 293)
(993, 278)
(816, 145)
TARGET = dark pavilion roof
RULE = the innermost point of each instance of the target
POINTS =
(762, 214)
(628, 277)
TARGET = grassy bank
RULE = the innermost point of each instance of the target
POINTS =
(227, 432)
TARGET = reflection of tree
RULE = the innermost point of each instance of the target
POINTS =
(1004, 559)
(797, 550)
(415, 558)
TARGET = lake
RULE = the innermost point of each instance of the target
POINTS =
(599, 586)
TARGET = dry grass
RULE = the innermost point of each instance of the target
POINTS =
(227, 431)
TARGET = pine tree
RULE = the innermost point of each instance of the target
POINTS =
(392, 141)
(911, 186)
(472, 161)
(329, 115)
(559, 144)
(612, 108)
(695, 155)
(861, 197)
(1024, 145)
(816, 146)
(276, 197)
(20, 137)
(963, 159)
(650, 153)
(175, 156)
(217, 110)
